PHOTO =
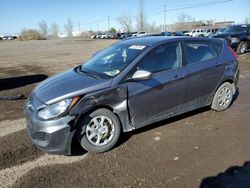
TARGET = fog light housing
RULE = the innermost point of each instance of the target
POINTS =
(41, 136)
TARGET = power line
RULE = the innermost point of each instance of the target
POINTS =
(156, 11)
(197, 5)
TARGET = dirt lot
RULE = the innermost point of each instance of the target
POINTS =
(198, 149)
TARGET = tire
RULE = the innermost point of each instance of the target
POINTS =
(201, 35)
(223, 97)
(242, 48)
(99, 131)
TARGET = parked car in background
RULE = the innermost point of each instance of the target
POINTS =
(118, 35)
(209, 32)
(113, 35)
(141, 33)
(129, 85)
(123, 35)
(196, 33)
(166, 33)
(219, 31)
(181, 33)
(237, 36)
(134, 34)
(108, 35)
(5, 37)
(126, 35)
(98, 36)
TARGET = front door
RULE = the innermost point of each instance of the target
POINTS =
(159, 97)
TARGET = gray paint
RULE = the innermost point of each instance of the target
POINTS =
(136, 103)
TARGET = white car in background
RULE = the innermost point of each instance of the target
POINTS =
(200, 32)
(197, 33)
(106, 36)
(209, 32)
(141, 33)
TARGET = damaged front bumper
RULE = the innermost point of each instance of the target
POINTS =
(51, 136)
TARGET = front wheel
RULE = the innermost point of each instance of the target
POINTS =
(223, 97)
(99, 131)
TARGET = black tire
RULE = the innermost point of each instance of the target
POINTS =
(88, 127)
(201, 35)
(223, 97)
(242, 47)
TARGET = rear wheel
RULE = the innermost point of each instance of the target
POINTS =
(223, 97)
(242, 48)
(99, 131)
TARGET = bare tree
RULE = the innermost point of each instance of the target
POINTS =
(141, 17)
(183, 18)
(183, 22)
(69, 27)
(43, 27)
(152, 28)
(54, 29)
(126, 22)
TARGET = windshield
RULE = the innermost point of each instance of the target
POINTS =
(220, 31)
(111, 61)
(236, 28)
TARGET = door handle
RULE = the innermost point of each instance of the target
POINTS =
(218, 64)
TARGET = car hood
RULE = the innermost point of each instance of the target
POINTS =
(67, 85)
(228, 34)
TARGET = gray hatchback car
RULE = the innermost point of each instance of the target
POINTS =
(131, 84)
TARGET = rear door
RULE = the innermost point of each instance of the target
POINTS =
(157, 98)
(205, 70)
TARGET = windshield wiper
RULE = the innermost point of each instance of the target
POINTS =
(86, 72)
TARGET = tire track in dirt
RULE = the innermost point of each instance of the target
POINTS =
(10, 175)
(7, 127)
(16, 148)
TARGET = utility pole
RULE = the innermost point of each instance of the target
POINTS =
(165, 12)
(141, 13)
(79, 26)
(108, 23)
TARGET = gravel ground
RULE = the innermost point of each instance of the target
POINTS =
(201, 148)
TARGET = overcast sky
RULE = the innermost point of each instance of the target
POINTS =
(16, 15)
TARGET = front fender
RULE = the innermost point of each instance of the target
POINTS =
(114, 98)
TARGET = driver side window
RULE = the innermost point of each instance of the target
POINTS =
(164, 57)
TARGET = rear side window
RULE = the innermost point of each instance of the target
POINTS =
(199, 51)
(218, 48)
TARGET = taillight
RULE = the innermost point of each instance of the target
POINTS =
(233, 52)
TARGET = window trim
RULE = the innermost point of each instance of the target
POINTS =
(167, 43)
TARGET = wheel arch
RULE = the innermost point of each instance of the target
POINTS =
(121, 118)
(228, 79)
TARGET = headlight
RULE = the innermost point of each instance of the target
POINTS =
(57, 109)
(235, 40)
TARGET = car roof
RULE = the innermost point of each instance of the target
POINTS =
(152, 40)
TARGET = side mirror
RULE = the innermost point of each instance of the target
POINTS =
(141, 75)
